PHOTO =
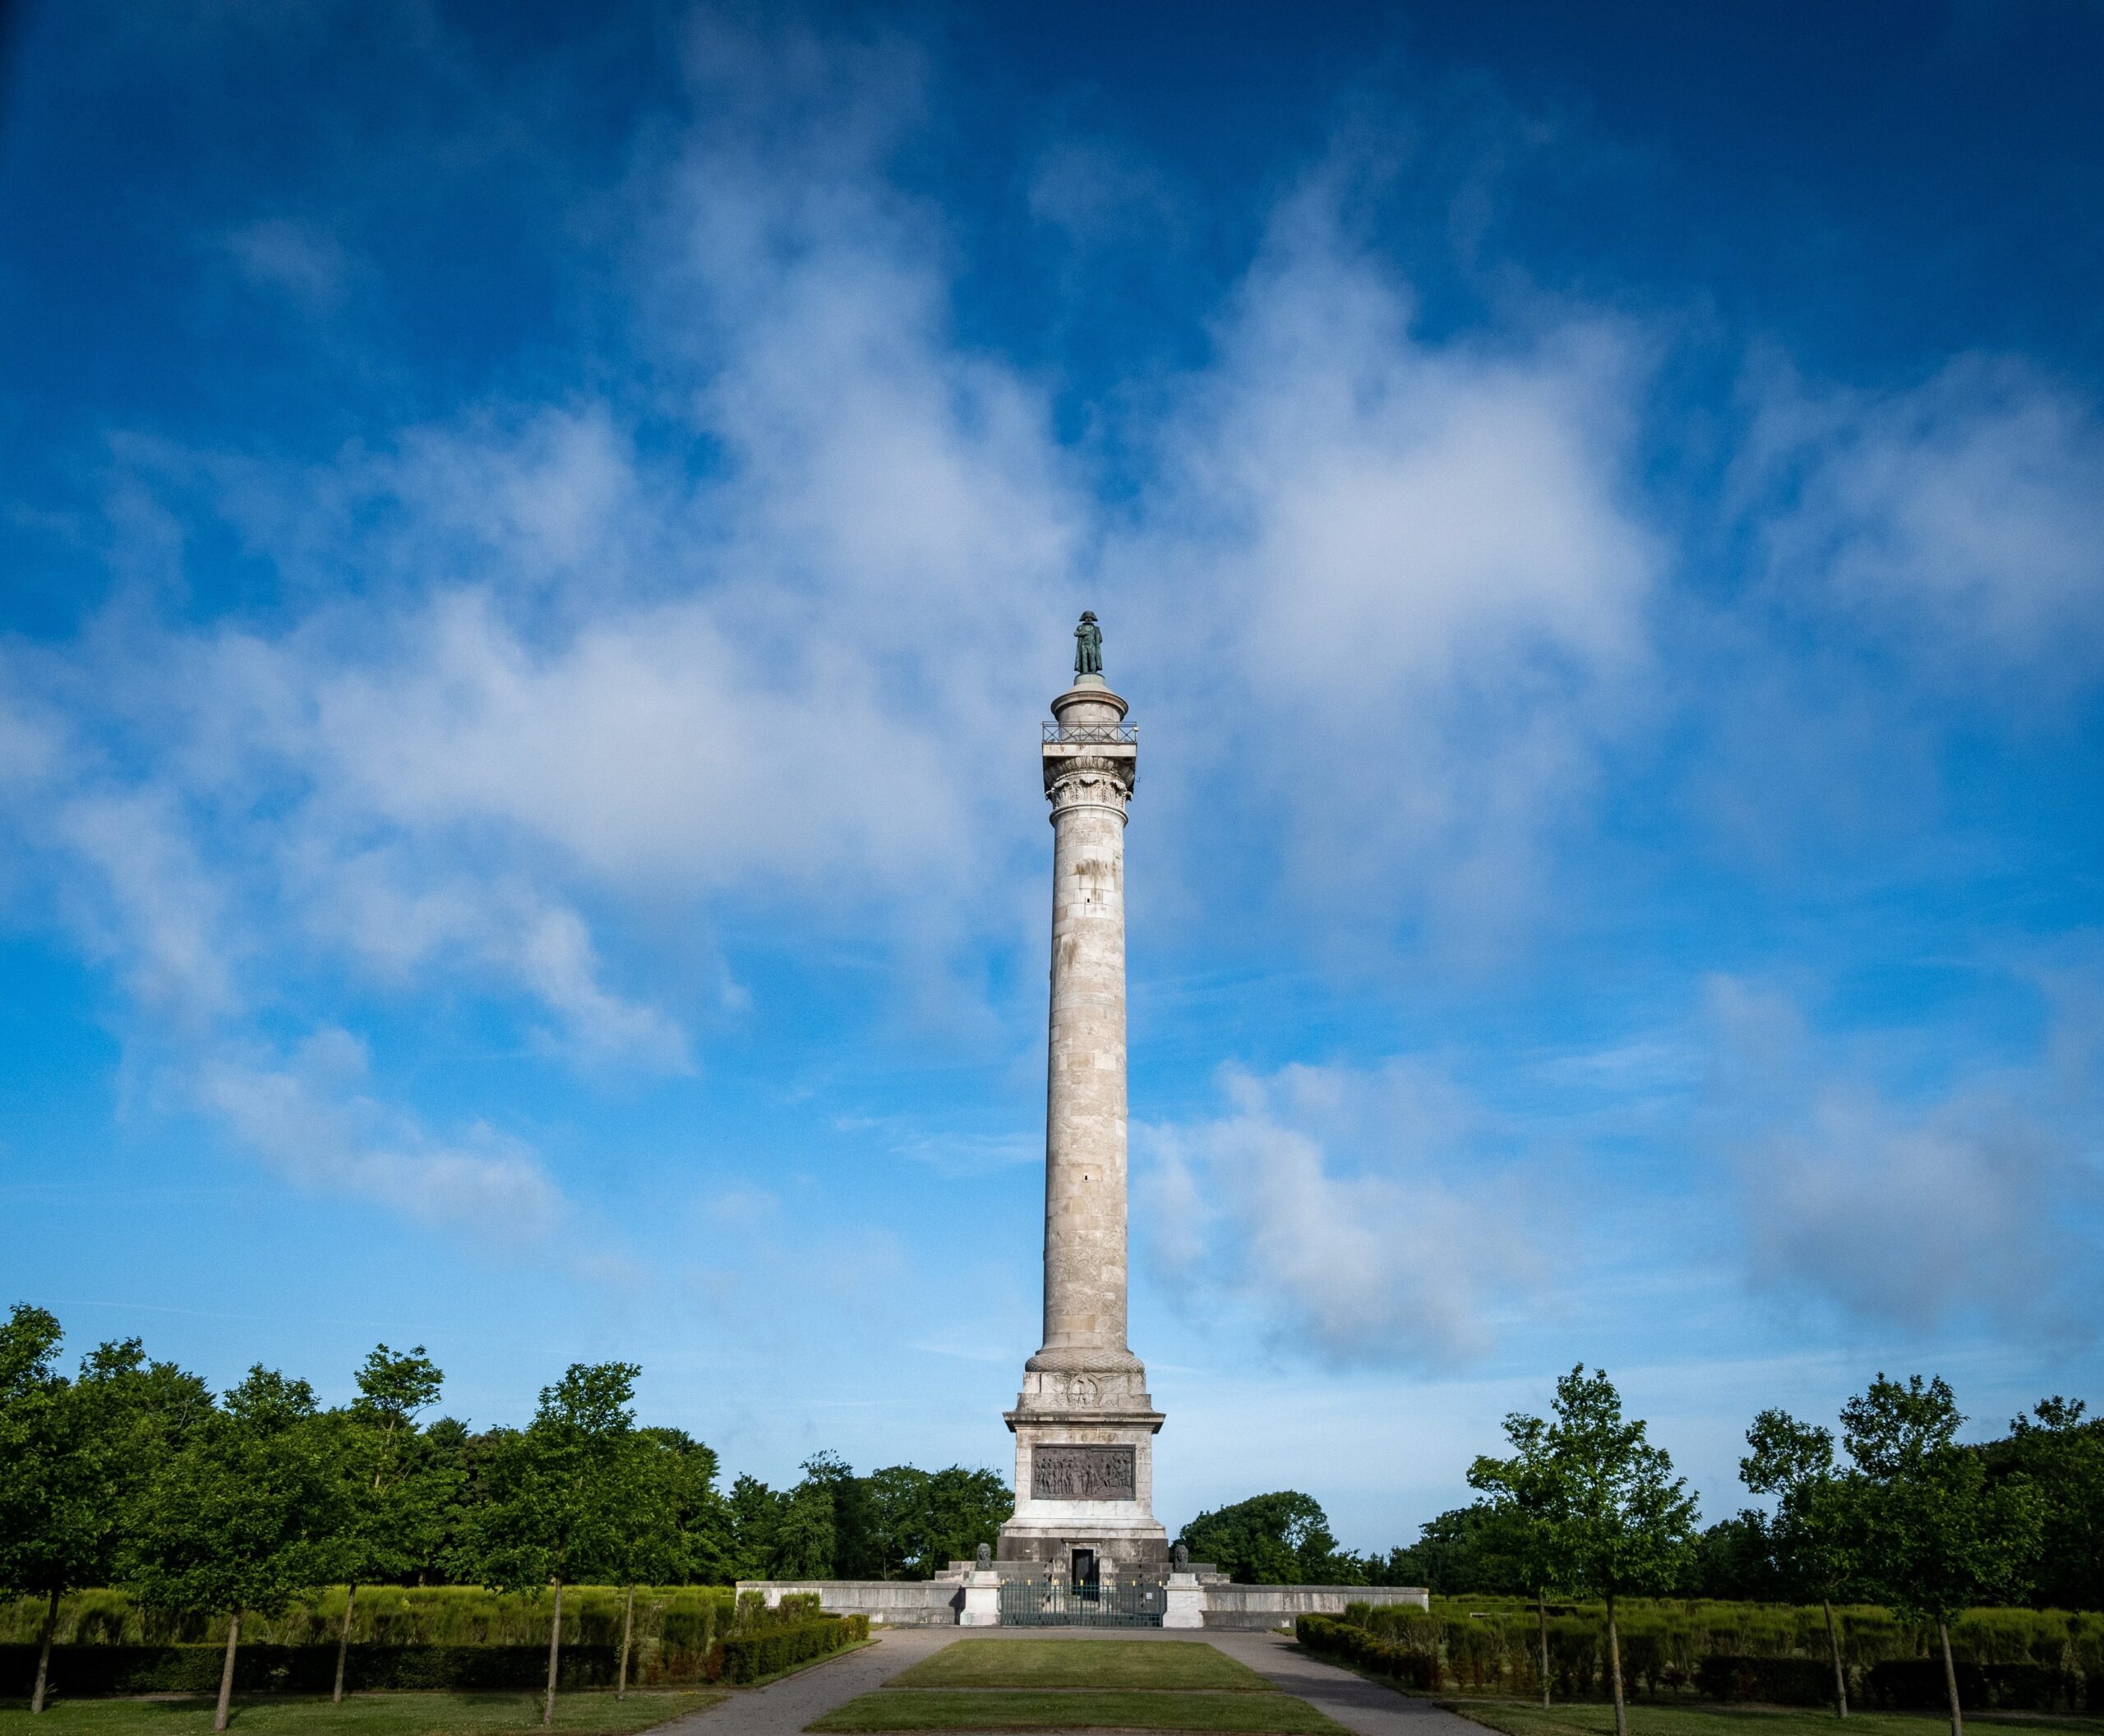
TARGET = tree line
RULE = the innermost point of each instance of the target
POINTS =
(1894, 1511)
(132, 1473)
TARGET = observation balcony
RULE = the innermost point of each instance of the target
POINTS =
(1093, 735)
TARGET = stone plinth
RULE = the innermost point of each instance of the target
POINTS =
(982, 1600)
(1186, 1601)
(1084, 1479)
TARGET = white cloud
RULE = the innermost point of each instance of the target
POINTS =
(305, 1119)
(161, 914)
(1323, 1203)
(1963, 518)
(299, 260)
(530, 670)
(1410, 573)
(1982, 1201)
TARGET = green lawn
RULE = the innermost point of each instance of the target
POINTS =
(1012, 1662)
(361, 1715)
(1515, 1719)
(1076, 1709)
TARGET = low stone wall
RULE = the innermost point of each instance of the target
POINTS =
(889, 1603)
(938, 1602)
(1276, 1606)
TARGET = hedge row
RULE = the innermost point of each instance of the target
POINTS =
(86, 1672)
(1410, 1650)
(1679, 1632)
(90, 1672)
(1766, 1681)
(680, 1617)
(1917, 1684)
(1900, 1684)
(746, 1657)
(1346, 1640)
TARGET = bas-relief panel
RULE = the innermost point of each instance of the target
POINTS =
(1082, 1474)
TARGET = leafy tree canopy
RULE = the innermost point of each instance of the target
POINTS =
(1280, 1539)
(1939, 1536)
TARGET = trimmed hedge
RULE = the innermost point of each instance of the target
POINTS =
(86, 1672)
(1342, 1639)
(1773, 1652)
(2021, 1661)
(1767, 1681)
(680, 1618)
(747, 1657)
(1917, 1684)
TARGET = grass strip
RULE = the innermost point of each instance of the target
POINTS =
(1514, 1718)
(1105, 1664)
(914, 1708)
(592, 1714)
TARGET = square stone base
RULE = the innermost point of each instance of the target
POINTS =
(1084, 1480)
(1128, 1552)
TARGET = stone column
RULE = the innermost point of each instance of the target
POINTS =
(1089, 782)
(1084, 1423)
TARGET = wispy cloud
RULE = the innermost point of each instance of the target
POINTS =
(299, 260)
(1981, 1201)
(1324, 1204)
(305, 1117)
(1411, 574)
(1963, 520)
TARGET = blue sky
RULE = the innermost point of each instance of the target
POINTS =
(535, 546)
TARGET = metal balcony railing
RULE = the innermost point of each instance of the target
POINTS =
(1099, 735)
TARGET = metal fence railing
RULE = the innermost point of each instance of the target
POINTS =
(1099, 735)
(1053, 1603)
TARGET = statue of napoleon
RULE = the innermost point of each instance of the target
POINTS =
(1088, 647)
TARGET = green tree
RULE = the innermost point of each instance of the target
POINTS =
(451, 1456)
(2061, 1454)
(1734, 1561)
(549, 1491)
(241, 1516)
(1527, 1503)
(966, 1507)
(50, 1478)
(755, 1516)
(389, 1494)
(805, 1537)
(1938, 1538)
(1281, 1539)
(1813, 1535)
(1619, 1522)
(664, 1522)
(1465, 1548)
(828, 1526)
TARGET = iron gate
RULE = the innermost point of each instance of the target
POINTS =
(1053, 1603)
